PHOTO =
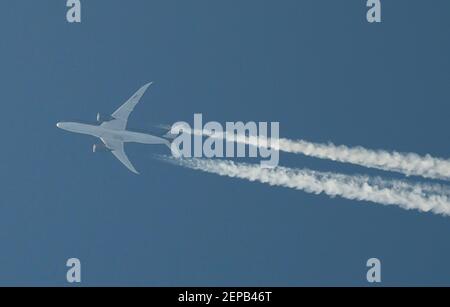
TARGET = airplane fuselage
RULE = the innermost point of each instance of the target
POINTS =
(124, 136)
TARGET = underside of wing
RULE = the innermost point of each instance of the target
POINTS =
(123, 112)
(117, 149)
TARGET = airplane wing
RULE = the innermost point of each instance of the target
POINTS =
(119, 152)
(121, 114)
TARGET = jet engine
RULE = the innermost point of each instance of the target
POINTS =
(100, 148)
(103, 118)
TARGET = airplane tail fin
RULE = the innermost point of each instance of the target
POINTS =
(169, 135)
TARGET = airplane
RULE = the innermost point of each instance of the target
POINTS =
(112, 130)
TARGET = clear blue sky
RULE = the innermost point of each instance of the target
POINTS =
(317, 67)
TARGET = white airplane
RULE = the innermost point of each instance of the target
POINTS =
(113, 131)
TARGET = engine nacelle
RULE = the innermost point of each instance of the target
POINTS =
(100, 148)
(103, 118)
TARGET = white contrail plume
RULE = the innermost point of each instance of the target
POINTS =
(422, 197)
(410, 164)
(406, 163)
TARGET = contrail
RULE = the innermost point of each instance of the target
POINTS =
(423, 197)
(410, 164)
(406, 163)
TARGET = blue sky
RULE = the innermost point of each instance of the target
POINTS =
(317, 67)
